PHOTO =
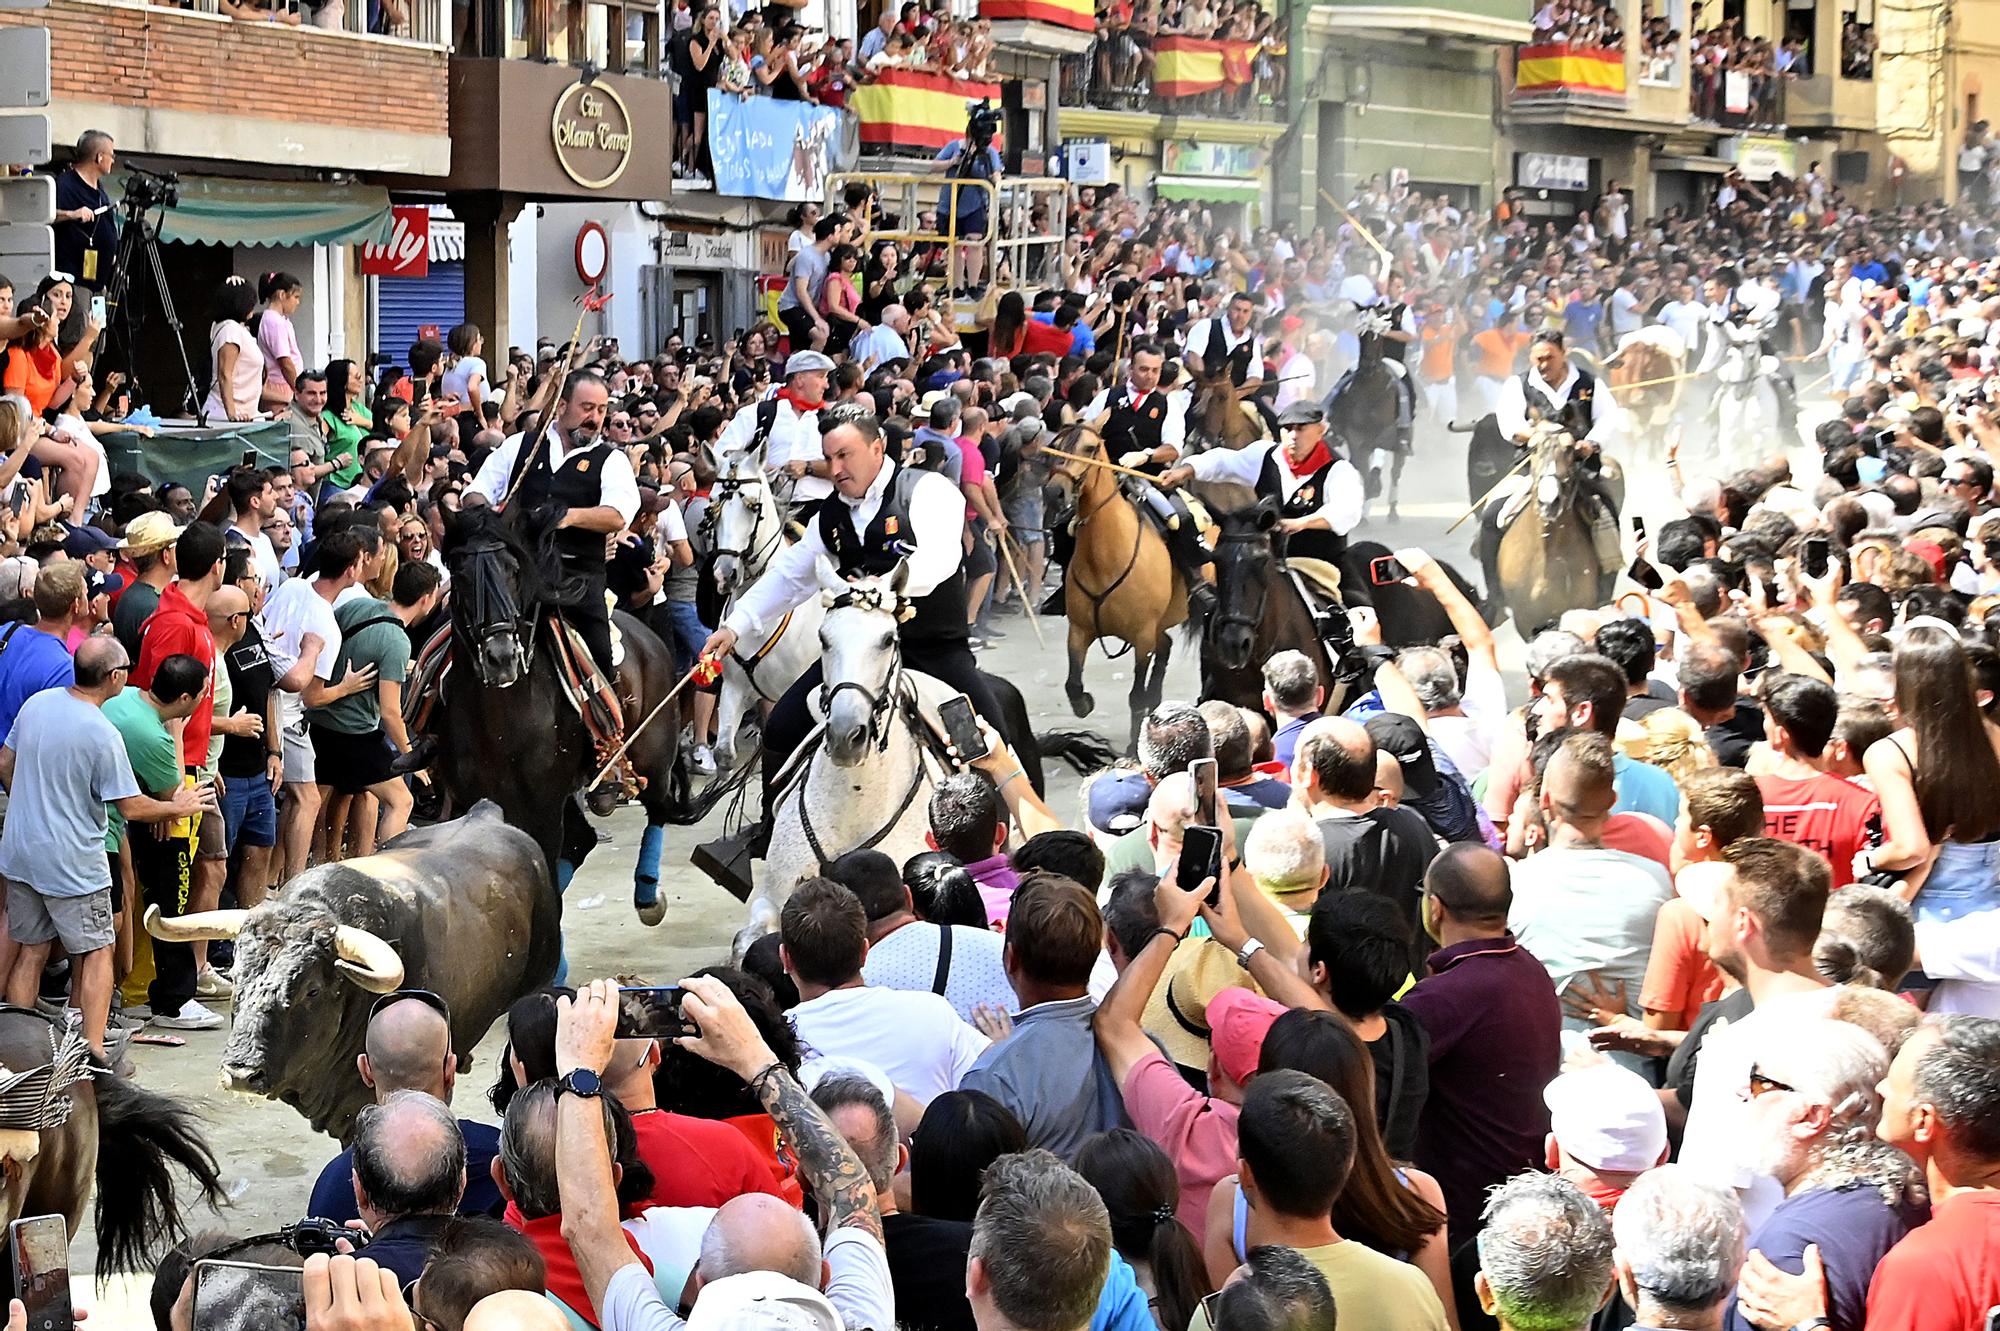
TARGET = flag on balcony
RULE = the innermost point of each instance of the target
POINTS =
(909, 109)
(1184, 66)
(1076, 14)
(1558, 72)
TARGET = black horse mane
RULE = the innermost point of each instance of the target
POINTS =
(472, 533)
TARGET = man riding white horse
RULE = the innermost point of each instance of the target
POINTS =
(1555, 390)
(785, 426)
(1741, 310)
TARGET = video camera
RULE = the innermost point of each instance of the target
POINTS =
(982, 122)
(148, 189)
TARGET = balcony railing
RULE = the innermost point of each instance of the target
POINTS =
(425, 21)
(618, 36)
(1179, 74)
(1743, 97)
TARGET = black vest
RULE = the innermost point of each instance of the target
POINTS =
(1574, 415)
(1304, 503)
(1391, 348)
(1139, 424)
(577, 483)
(1214, 355)
(940, 614)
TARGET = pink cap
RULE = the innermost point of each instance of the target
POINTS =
(1238, 1020)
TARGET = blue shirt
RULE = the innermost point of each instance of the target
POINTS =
(333, 1194)
(1872, 271)
(1050, 1074)
(970, 201)
(1853, 1227)
(1583, 317)
(1644, 788)
(30, 662)
(1285, 740)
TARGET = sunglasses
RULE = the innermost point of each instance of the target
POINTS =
(1762, 1085)
(424, 996)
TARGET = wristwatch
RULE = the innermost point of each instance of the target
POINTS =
(1250, 950)
(1812, 1324)
(583, 1082)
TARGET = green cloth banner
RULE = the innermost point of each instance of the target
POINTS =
(192, 456)
(1207, 190)
(225, 210)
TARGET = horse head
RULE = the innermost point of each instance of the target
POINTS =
(861, 659)
(1068, 474)
(746, 520)
(1553, 470)
(1246, 563)
(490, 573)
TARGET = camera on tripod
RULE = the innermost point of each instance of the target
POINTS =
(982, 121)
(145, 190)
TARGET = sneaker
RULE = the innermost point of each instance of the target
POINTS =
(212, 984)
(975, 642)
(703, 758)
(192, 1017)
(991, 634)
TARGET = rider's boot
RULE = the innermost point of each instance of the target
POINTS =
(726, 859)
(1604, 539)
(1487, 545)
(423, 751)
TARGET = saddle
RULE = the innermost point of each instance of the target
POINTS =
(584, 686)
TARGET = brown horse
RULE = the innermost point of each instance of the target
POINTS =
(1120, 583)
(1548, 562)
(1222, 413)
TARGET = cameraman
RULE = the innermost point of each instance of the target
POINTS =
(86, 232)
(972, 157)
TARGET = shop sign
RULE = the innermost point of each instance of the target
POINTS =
(1760, 156)
(1180, 157)
(1552, 171)
(1087, 161)
(592, 132)
(407, 251)
(698, 247)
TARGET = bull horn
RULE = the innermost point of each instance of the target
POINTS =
(368, 961)
(200, 926)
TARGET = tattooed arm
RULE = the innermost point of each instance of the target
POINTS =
(728, 1038)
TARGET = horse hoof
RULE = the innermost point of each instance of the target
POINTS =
(652, 913)
(1394, 516)
(1083, 704)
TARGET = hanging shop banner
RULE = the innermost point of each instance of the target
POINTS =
(1185, 66)
(407, 251)
(906, 108)
(770, 149)
(1187, 157)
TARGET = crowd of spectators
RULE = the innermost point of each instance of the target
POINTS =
(1117, 71)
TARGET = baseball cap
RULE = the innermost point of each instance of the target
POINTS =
(150, 531)
(1238, 1021)
(760, 1300)
(1607, 1118)
(99, 583)
(86, 540)
(1116, 801)
(1403, 738)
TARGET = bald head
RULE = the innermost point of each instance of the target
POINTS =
(1339, 756)
(96, 658)
(409, 1158)
(408, 1047)
(515, 1310)
(759, 1232)
(1171, 805)
(1469, 880)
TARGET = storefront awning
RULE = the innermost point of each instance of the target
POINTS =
(219, 210)
(1713, 166)
(1204, 189)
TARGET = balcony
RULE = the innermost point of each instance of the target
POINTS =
(1484, 22)
(363, 81)
(1224, 74)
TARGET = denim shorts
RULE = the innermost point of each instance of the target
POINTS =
(249, 812)
(680, 624)
(1964, 881)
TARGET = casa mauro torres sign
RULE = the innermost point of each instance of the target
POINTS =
(592, 132)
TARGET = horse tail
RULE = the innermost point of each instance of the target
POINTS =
(141, 1136)
(685, 811)
(1085, 751)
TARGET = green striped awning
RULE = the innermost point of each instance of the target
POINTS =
(224, 210)
(1208, 189)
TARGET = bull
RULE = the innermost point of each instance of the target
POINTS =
(464, 909)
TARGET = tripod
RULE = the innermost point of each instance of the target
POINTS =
(138, 240)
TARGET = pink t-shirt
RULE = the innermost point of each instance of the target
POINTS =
(1197, 1132)
(971, 469)
(276, 339)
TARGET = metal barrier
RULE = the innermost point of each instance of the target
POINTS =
(426, 21)
(1021, 247)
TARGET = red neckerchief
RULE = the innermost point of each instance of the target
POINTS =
(799, 404)
(564, 1281)
(1319, 457)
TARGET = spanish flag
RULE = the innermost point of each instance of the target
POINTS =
(1076, 14)
(906, 108)
(1585, 70)
(1185, 66)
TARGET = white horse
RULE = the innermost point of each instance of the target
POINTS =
(749, 530)
(866, 782)
(1746, 403)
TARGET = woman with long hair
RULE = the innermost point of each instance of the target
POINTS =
(347, 420)
(1938, 778)
(840, 301)
(1141, 1191)
(878, 280)
(961, 1133)
(1003, 339)
(237, 360)
(279, 295)
(1394, 1209)
(705, 57)
(466, 376)
(41, 372)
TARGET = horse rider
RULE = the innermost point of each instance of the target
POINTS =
(879, 515)
(1145, 428)
(786, 426)
(1399, 329)
(1739, 310)
(575, 478)
(1556, 390)
(1228, 343)
(1318, 493)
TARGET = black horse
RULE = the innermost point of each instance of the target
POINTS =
(1259, 609)
(1361, 416)
(510, 734)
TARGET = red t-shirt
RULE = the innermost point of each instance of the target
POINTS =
(1038, 337)
(698, 1161)
(1823, 813)
(1640, 834)
(1679, 975)
(179, 628)
(1944, 1275)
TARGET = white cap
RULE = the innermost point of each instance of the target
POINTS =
(761, 1300)
(1607, 1119)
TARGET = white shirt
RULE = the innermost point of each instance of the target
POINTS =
(937, 526)
(1686, 318)
(917, 1039)
(1197, 342)
(1296, 376)
(1512, 407)
(1173, 428)
(1341, 504)
(878, 346)
(907, 959)
(291, 612)
(617, 487)
(857, 1276)
(793, 438)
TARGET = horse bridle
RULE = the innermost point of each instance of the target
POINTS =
(725, 489)
(1235, 614)
(489, 600)
(869, 598)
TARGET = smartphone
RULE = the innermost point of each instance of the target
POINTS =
(1643, 573)
(1201, 858)
(1386, 570)
(40, 1246)
(963, 728)
(419, 390)
(232, 1294)
(249, 457)
(651, 1014)
(1638, 527)
(98, 310)
(1815, 555)
(1203, 770)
